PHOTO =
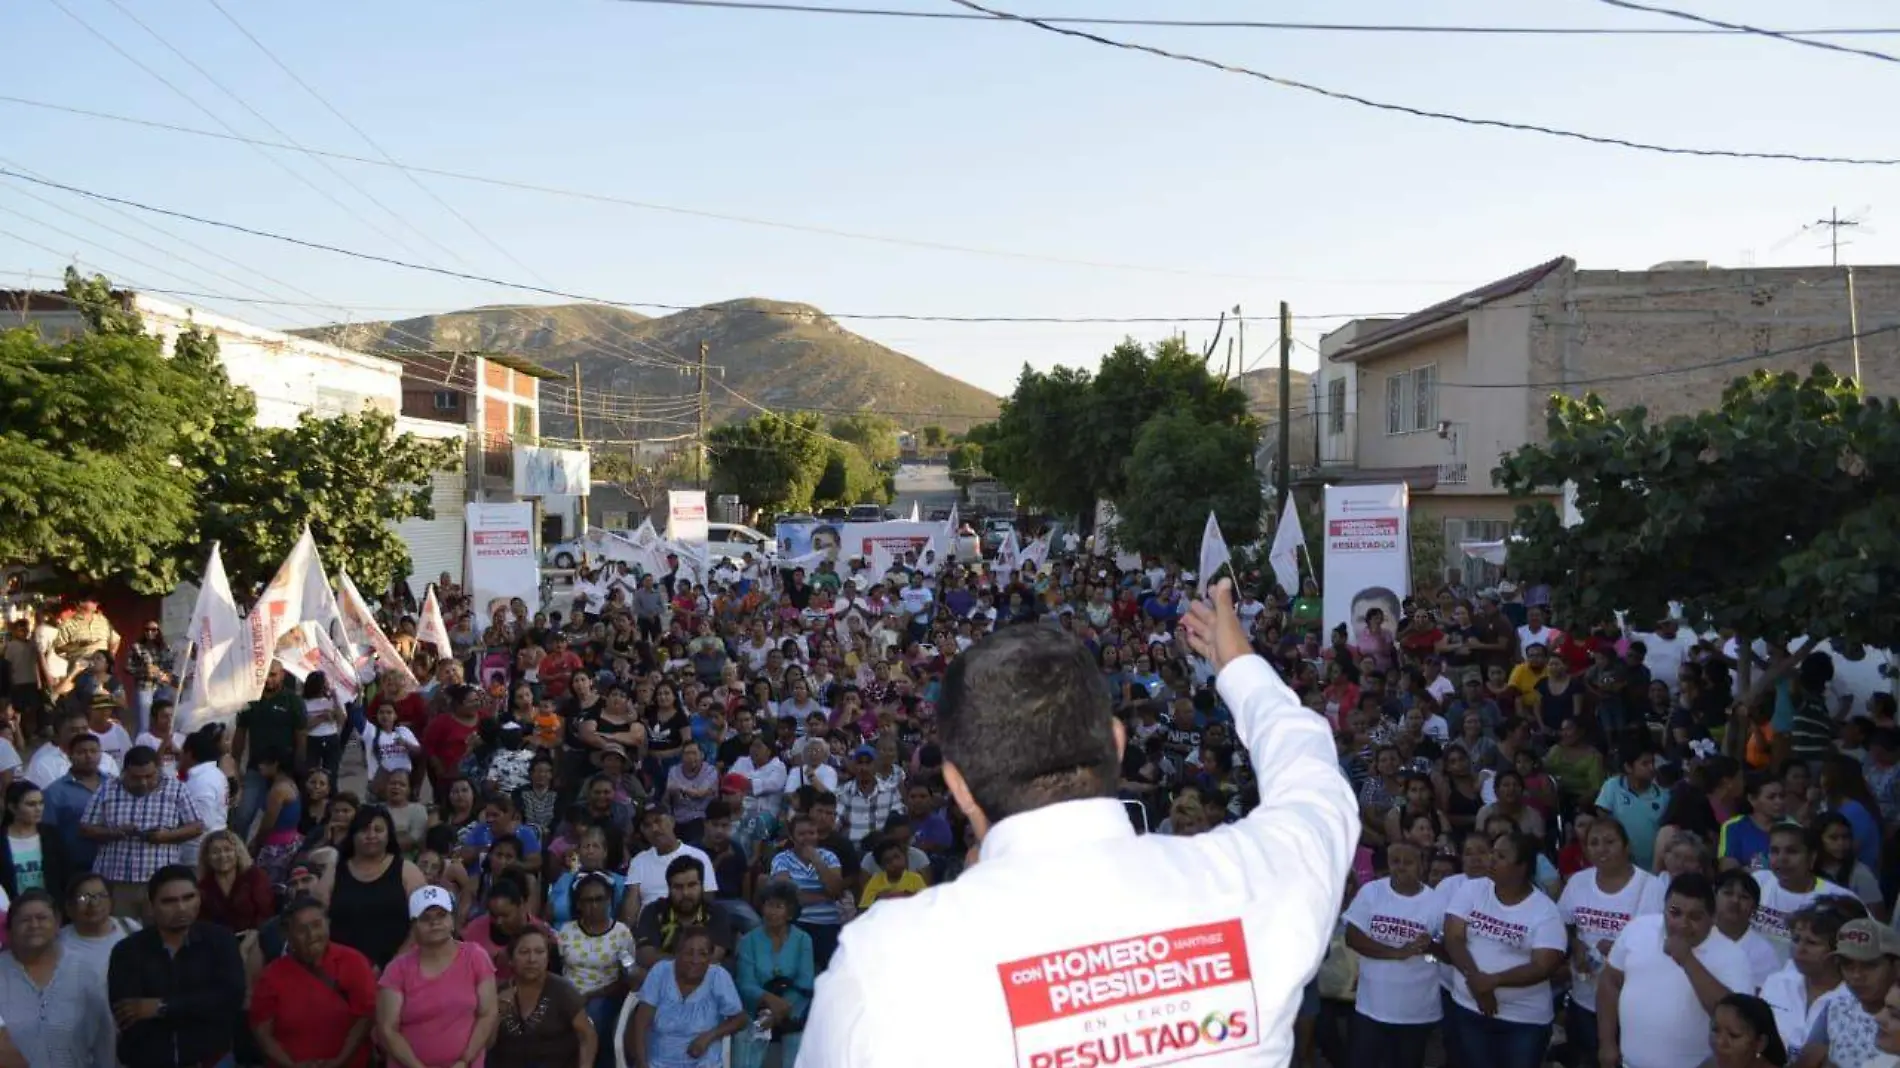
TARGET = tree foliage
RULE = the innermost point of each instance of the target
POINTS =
(773, 462)
(1774, 514)
(1180, 469)
(120, 466)
(933, 437)
(644, 481)
(849, 478)
(966, 463)
(1063, 437)
(874, 435)
(350, 477)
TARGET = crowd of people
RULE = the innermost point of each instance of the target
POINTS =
(631, 827)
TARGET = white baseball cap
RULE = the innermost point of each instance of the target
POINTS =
(430, 897)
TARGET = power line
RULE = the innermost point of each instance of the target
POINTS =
(1738, 27)
(1426, 113)
(1248, 24)
(697, 213)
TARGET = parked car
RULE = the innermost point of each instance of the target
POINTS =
(867, 513)
(731, 541)
(995, 531)
(564, 555)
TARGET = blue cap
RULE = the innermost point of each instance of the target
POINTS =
(864, 752)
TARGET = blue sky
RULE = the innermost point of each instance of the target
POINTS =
(999, 136)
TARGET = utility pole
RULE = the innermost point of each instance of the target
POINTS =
(1283, 478)
(580, 434)
(704, 348)
(1853, 323)
(1835, 224)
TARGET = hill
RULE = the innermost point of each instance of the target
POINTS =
(635, 372)
(1262, 387)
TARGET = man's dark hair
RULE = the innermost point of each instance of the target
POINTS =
(206, 744)
(1027, 722)
(1742, 880)
(300, 903)
(140, 756)
(684, 864)
(1695, 885)
(170, 873)
(718, 810)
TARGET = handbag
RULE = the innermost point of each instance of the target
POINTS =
(781, 986)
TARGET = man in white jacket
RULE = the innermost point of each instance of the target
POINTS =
(1072, 940)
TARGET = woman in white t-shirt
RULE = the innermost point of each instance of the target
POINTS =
(1788, 885)
(1392, 924)
(1507, 940)
(387, 745)
(323, 731)
(1597, 904)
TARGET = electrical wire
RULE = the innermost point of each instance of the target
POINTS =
(1246, 24)
(674, 209)
(1738, 27)
(1427, 113)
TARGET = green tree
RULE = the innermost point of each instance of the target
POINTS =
(933, 437)
(874, 435)
(1062, 437)
(352, 478)
(1180, 469)
(849, 478)
(1425, 537)
(966, 463)
(1773, 514)
(773, 462)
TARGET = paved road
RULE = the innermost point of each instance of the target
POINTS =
(927, 484)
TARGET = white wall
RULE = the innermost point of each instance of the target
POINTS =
(289, 375)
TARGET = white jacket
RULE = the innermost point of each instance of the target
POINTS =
(1074, 940)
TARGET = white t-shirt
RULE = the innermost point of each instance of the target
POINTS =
(320, 723)
(1663, 1022)
(1501, 937)
(1771, 916)
(1786, 993)
(1442, 688)
(1397, 991)
(647, 871)
(1762, 961)
(1526, 637)
(114, 742)
(388, 750)
(1447, 889)
(1599, 918)
(1664, 656)
(916, 600)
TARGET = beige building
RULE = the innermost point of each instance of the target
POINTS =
(1436, 397)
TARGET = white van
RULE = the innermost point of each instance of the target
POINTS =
(731, 541)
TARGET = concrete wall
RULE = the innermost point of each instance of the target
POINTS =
(1637, 327)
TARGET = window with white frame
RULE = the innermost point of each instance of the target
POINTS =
(1411, 400)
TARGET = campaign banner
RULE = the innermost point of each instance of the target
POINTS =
(795, 538)
(1135, 1002)
(292, 596)
(1368, 556)
(308, 648)
(358, 618)
(501, 556)
(686, 517)
(543, 472)
(839, 542)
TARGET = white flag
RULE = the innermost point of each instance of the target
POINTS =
(645, 536)
(1008, 555)
(950, 525)
(930, 561)
(356, 615)
(916, 511)
(287, 601)
(882, 561)
(430, 630)
(1288, 541)
(218, 677)
(1036, 553)
(1214, 553)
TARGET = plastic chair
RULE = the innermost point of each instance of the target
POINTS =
(626, 1021)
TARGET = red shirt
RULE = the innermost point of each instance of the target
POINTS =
(309, 1017)
(413, 712)
(250, 902)
(446, 740)
(556, 669)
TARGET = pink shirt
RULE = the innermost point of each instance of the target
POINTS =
(438, 1012)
